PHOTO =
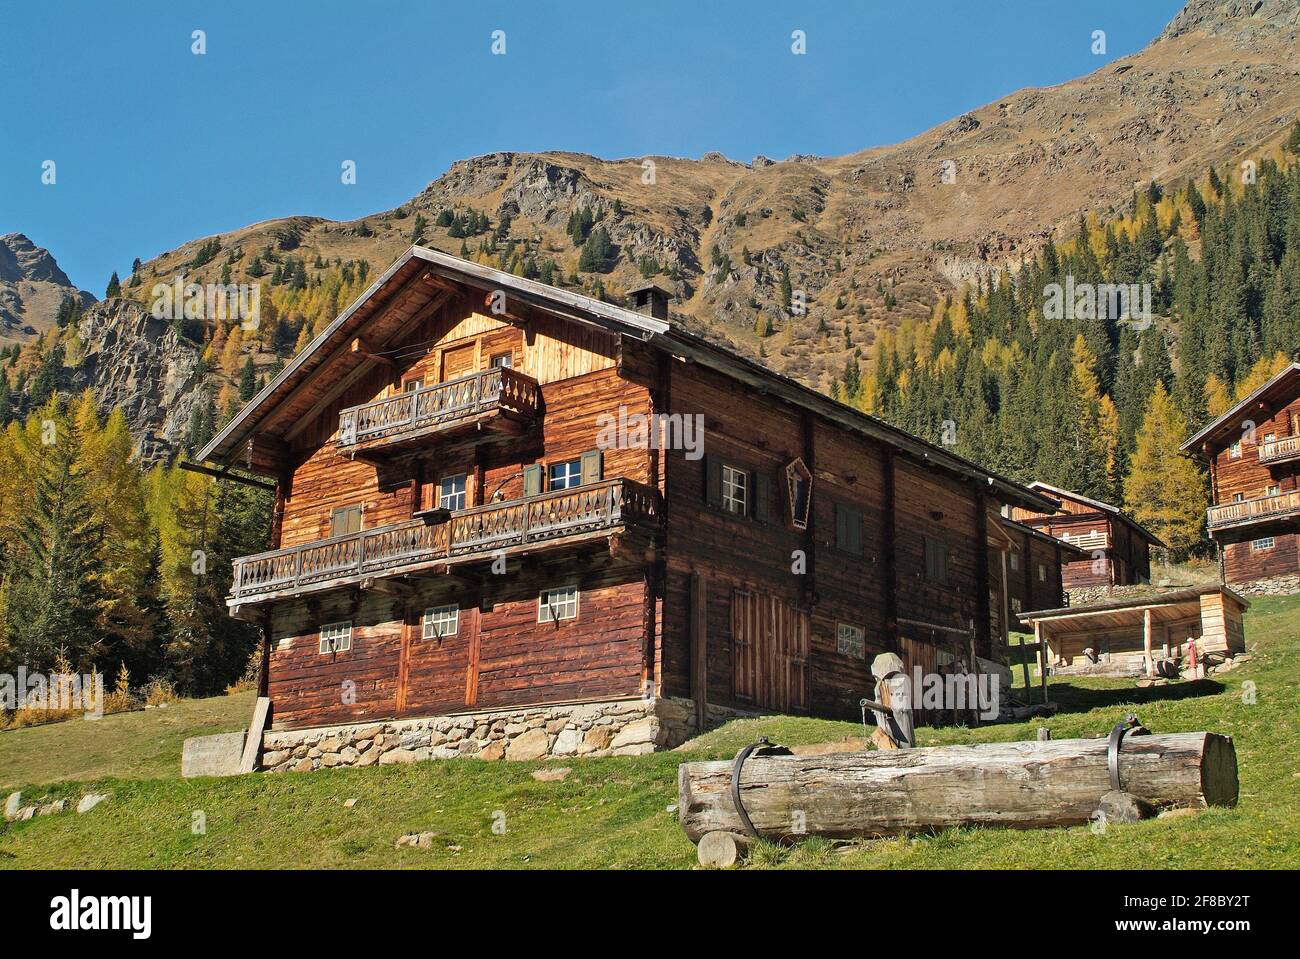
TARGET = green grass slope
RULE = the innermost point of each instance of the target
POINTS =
(619, 812)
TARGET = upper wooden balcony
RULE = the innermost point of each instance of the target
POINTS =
(1259, 510)
(1095, 540)
(499, 399)
(548, 521)
(1280, 451)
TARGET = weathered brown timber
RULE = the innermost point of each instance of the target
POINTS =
(1021, 785)
(462, 442)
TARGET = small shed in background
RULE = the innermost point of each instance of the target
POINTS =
(1163, 633)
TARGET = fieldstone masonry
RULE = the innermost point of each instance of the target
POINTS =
(630, 727)
(1272, 586)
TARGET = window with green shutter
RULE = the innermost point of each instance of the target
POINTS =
(848, 529)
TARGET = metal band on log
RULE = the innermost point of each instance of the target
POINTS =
(1021, 785)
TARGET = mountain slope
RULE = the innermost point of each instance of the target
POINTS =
(869, 238)
(31, 288)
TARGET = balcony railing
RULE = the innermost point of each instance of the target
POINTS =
(440, 406)
(1087, 541)
(1278, 451)
(1254, 510)
(408, 546)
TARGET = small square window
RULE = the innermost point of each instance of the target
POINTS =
(451, 492)
(503, 361)
(851, 640)
(564, 475)
(440, 621)
(410, 386)
(1274, 490)
(1238, 497)
(735, 490)
(336, 637)
(1234, 451)
(554, 605)
(1260, 545)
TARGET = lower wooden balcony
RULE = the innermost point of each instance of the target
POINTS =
(1284, 450)
(495, 400)
(549, 521)
(1249, 511)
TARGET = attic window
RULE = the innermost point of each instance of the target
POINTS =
(799, 482)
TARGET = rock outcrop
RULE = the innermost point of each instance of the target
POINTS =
(134, 361)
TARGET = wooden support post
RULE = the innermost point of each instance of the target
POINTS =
(1040, 637)
(1146, 642)
(699, 648)
(889, 556)
(403, 664)
(808, 426)
(473, 617)
(983, 613)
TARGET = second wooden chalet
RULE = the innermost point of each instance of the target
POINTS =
(1117, 547)
(1253, 452)
(514, 521)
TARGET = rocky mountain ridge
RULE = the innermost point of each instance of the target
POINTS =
(867, 238)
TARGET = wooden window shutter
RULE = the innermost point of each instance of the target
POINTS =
(762, 497)
(591, 467)
(848, 529)
(712, 480)
(533, 479)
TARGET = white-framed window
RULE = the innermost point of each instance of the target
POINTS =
(851, 640)
(451, 492)
(1270, 437)
(1234, 451)
(336, 637)
(1042, 573)
(1013, 560)
(410, 386)
(1274, 490)
(1016, 605)
(502, 361)
(565, 475)
(556, 604)
(1259, 545)
(735, 490)
(440, 621)
(1238, 497)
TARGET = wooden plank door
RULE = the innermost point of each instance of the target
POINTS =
(770, 647)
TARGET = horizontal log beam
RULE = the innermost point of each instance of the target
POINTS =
(1020, 785)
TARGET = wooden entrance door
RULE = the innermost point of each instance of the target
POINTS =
(437, 672)
(770, 641)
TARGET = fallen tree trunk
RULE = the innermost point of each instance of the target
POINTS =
(1023, 785)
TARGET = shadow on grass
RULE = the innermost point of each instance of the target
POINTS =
(1082, 699)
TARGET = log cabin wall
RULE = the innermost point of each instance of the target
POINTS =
(1260, 552)
(1264, 549)
(502, 655)
(1236, 467)
(1124, 560)
(577, 372)
(854, 546)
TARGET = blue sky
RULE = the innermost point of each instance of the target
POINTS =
(155, 146)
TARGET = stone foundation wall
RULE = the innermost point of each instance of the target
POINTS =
(619, 728)
(1272, 586)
